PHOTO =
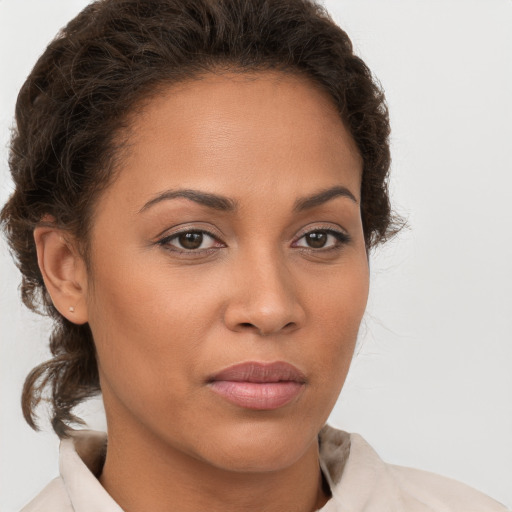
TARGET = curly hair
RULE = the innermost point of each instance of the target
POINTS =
(75, 101)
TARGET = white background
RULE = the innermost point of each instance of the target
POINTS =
(431, 386)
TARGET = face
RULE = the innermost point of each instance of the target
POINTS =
(228, 270)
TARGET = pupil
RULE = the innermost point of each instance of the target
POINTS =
(191, 240)
(317, 239)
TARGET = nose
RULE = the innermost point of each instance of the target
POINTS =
(263, 298)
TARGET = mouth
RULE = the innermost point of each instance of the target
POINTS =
(259, 386)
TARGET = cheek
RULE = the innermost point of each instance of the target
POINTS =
(338, 298)
(137, 327)
(337, 312)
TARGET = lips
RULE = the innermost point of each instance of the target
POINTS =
(259, 386)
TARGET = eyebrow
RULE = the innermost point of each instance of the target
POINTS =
(213, 201)
(226, 204)
(305, 203)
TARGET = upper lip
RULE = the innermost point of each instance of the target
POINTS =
(253, 371)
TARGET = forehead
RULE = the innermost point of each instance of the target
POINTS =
(236, 132)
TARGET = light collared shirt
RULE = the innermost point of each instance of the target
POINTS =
(358, 478)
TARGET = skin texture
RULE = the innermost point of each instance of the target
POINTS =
(164, 321)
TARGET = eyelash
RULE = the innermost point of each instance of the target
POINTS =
(342, 239)
(165, 242)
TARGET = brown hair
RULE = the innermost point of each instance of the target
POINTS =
(74, 102)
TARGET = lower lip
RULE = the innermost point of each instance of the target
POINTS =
(257, 395)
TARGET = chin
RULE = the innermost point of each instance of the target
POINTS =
(255, 446)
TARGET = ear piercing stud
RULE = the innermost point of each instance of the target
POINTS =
(71, 309)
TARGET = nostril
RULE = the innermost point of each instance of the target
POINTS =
(248, 325)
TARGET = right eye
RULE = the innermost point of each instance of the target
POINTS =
(190, 241)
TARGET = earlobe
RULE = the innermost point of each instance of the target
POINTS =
(63, 271)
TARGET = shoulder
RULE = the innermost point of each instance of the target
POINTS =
(52, 498)
(77, 489)
(361, 481)
(441, 493)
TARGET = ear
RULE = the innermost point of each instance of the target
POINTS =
(64, 272)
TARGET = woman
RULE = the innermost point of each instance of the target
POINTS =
(198, 185)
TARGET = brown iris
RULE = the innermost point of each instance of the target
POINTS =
(191, 240)
(316, 239)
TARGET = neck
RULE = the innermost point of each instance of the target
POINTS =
(141, 472)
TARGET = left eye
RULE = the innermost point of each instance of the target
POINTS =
(190, 240)
(322, 239)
